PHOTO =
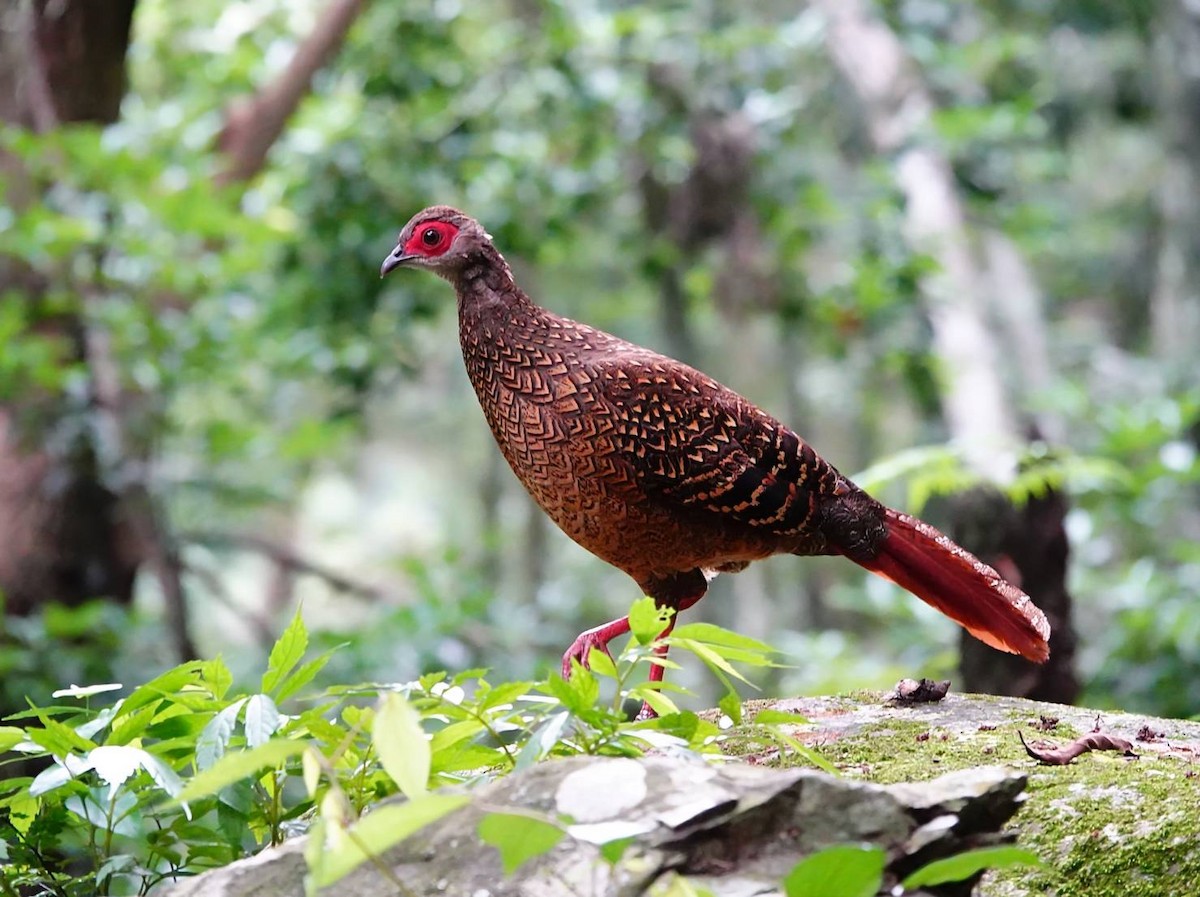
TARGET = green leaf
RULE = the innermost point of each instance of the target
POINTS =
(215, 674)
(661, 704)
(58, 738)
(845, 870)
(454, 733)
(237, 766)
(401, 744)
(505, 693)
(776, 717)
(613, 850)
(262, 720)
(10, 736)
(716, 635)
(543, 739)
(303, 675)
(964, 865)
(128, 726)
(647, 620)
(519, 838)
(711, 658)
(286, 653)
(310, 763)
(214, 738)
(803, 750)
(731, 705)
(380, 829)
(168, 685)
(601, 664)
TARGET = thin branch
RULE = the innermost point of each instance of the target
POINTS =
(252, 126)
(262, 628)
(283, 556)
(149, 528)
(42, 111)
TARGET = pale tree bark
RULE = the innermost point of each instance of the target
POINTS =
(1175, 301)
(1018, 304)
(898, 109)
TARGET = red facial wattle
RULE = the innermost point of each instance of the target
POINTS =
(431, 239)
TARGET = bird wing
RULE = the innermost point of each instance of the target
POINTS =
(697, 447)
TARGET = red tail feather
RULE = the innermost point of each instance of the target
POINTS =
(919, 558)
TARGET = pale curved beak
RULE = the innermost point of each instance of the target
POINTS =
(397, 259)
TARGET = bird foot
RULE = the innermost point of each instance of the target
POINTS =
(599, 637)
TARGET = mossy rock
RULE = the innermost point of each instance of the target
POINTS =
(1105, 824)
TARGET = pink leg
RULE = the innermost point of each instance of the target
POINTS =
(593, 638)
(656, 671)
(680, 591)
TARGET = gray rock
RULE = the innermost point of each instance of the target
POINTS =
(735, 828)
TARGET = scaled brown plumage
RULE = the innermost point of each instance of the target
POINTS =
(665, 473)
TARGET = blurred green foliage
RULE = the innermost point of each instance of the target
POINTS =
(277, 378)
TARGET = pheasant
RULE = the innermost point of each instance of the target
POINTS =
(666, 474)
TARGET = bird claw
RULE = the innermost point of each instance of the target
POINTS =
(599, 637)
(581, 650)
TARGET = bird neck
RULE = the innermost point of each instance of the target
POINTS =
(487, 292)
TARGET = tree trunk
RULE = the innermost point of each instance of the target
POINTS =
(62, 537)
(65, 536)
(898, 107)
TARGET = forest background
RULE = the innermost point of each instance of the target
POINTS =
(949, 243)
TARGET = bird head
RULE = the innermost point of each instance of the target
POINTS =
(440, 239)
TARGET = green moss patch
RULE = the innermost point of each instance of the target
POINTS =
(1104, 824)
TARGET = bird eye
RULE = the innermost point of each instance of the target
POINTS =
(431, 237)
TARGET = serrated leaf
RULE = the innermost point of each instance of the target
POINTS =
(234, 767)
(660, 703)
(401, 744)
(163, 775)
(717, 635)
(519, 838)
(303, 675)
(21, 811)
(127, 727)
(262, 720)
(214, 738)
(711, 658)
(505, 693)
(845, 870)
(285, 653)
(731, 705)
(377, 831)
(58, 738)
(452, 734)
(48, 779)
(215, 674)
(601, 664)
(964, 865)
(647, 620)
(543, 739)
(166, 685)
(115, 763)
